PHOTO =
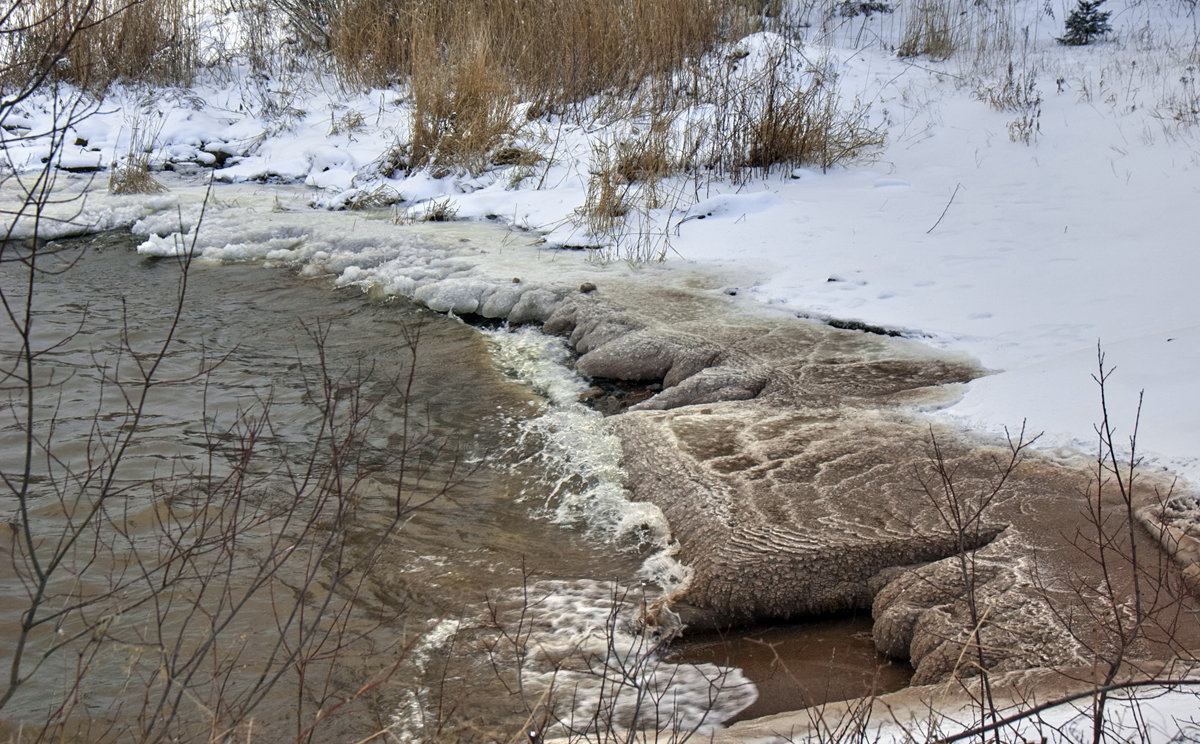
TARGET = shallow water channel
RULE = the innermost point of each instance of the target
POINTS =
(517, 580)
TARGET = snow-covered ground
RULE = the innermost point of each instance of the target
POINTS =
(1022, 236)
(1149, 714)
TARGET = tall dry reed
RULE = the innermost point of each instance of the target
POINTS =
(91, 43)
(556, 52)
(462, 105)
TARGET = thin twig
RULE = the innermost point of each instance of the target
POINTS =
(944, 211)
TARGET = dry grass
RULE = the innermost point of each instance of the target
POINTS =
(514, 155)
(608, 195)
(348, 123)
(434, 210)
(930, 32)
(627, 214)
(646, 159)
(91, 43)
(133, 177)
(781, 120)
(1018, 94)
(1181, 105)
(778, 115)
(440, 210)
(555, 52)
(379, 197)
(132, 174)
(462, 106)
(793, 125)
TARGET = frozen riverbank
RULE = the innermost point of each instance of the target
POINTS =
(788, 447)
(1021, 254)
(1016, 202)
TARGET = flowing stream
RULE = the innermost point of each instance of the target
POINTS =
(521, 581)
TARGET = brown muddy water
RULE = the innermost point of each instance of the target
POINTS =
(516, 591)
(800, 665)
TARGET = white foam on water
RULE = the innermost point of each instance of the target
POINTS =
(591, 664)
(601, 669)
(580, 456)
(408, 719)
(592, 652)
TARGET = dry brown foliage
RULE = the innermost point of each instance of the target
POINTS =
(91, 43)
(556, 52)
(777, 120)
(930, 32)
(462, 107)
(132, 174)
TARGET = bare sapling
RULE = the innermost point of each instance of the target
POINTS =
(1130, 604)
(187, 602)
(962, 511)
(1123, 602)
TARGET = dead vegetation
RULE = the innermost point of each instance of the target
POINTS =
(92, 43)
(930, 31)
(131, 175)
(462, 109)
(801, 124)
(555, 52)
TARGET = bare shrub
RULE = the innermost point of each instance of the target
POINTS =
(1127, 608)
(1124, 606)
(964, 512)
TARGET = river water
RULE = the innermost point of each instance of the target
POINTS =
(511, 597)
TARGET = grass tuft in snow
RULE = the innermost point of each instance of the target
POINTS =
(789, 113)
(1018, 93)
(608, 194)
(132, 174)
(434, 210)
(377, 197)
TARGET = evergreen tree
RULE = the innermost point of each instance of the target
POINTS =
(1086, 23)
